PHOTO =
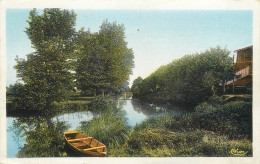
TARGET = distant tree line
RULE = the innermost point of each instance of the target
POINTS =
(65, 59)
(188, 80)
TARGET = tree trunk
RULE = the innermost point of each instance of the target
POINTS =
(103, 93)
(95, 94)
(224, 88)
(213, 90)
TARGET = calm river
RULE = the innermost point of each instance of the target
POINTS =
(136, 112)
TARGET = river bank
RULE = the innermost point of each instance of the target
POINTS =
(214, 129)
(76, 103)
(133, 128)
(52, 126)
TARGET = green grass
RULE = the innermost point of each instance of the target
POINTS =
(74, 102)
(81, 98)
(108, 124)
(70, 106)
(166, 143)
(215, 129)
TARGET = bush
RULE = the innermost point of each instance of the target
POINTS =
(24, 99)
(216, 100)
(233, 119)
(99, 104)
(109, 126)
(71, 106)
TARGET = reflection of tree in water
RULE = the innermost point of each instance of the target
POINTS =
(44, 138)
(18, 137)
(144, 107)
(120, 104)
(150, 109)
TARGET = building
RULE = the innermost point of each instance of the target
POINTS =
(242, 82)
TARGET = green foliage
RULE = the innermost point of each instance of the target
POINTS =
(161, 142)
(136, 86)
(100, 104)
(214, 130)
(190, 79)
(90, 66)
(109, 126)
(104, 61)
(118, 57)
(44, 138)
(125, 87)
(212, 104)
(46, 72)
(216, 100)
(52, 24)
(9, 90)
(63, 58)
(233, 119)
(69, 106)
(24, 99)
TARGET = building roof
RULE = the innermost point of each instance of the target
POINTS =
(243, 48)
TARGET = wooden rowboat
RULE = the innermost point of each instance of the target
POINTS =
(84, 144)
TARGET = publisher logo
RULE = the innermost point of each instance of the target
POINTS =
(238, 152)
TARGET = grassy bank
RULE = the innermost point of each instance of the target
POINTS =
(216, 128)
(109, 124)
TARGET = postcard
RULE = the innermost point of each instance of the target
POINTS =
(129, 81)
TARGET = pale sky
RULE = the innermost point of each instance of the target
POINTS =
(164, 35)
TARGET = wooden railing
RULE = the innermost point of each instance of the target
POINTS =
(241, 73)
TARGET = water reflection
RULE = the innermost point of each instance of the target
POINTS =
(137, 111)
(43, 136)
(134, 116)
(150, 109)
(14, 141)
(110, 125)
(73, 119)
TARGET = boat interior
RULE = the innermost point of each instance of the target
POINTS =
(85, 143)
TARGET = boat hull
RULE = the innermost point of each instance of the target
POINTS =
(85, 145)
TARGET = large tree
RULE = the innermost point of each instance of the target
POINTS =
(90, 65)
(104, 60)
(46, 72)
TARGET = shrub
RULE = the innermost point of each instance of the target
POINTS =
(99, 104)
(216, 100)
(233, 119)
(109, 126)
